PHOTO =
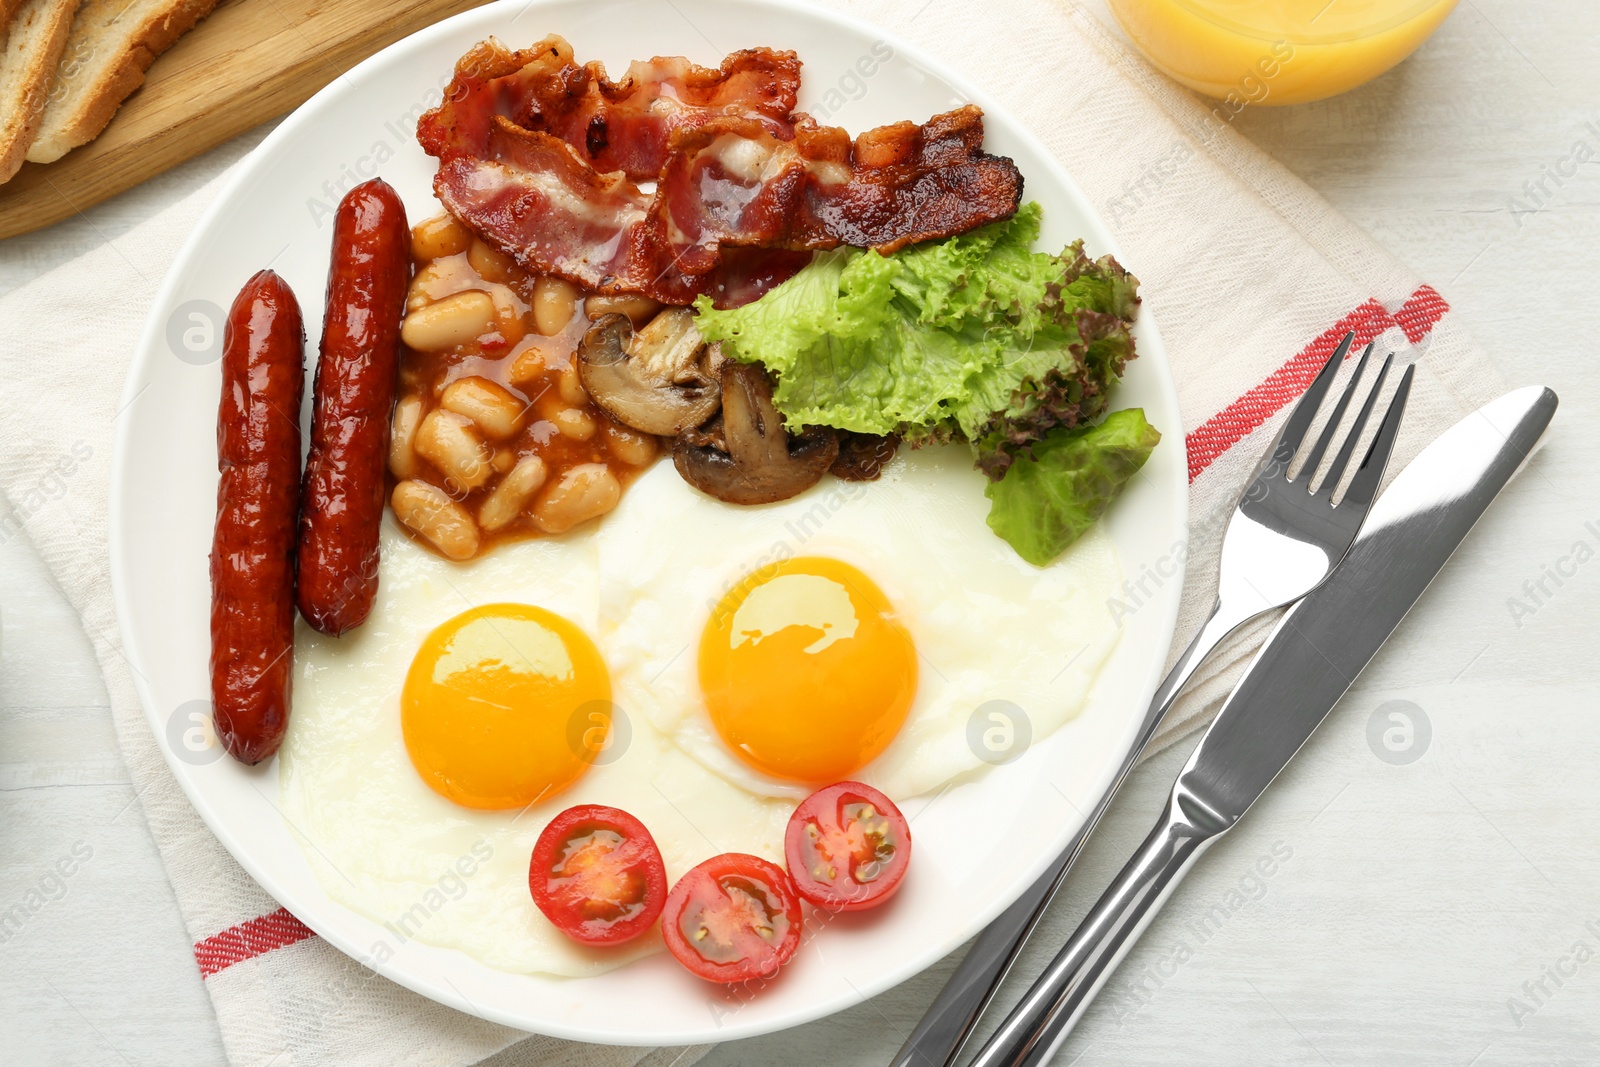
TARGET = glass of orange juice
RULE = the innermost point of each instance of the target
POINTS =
(1267, 52)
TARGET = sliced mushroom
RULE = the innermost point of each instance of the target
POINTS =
(862, 456)
(763, 462)
(659, 380)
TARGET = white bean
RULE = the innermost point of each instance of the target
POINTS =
(402, 441)
(526, 368)
(508, 498)
(439, 236)
(428, 512)
(631, 447)
(639, 309)
(575, 423)
(572, 422)
(495, 409)
(554, 302)
(420, 294)
(491, 264)
(570, 386)
(584, 492)
(451, 442)
(455, 320)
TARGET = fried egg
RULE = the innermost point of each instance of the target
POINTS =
(388, 839)
(806, 671)
(489, 701)
(853, 631)
(700, 665)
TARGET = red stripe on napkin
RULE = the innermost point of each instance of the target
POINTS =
(248, 940)
(1416, 318)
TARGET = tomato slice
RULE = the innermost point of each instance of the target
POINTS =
(597, 874)
(848, 847)
(733, 918)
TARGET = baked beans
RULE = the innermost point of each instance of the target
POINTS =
(495, 438)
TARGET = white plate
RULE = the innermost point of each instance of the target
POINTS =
(973, 860)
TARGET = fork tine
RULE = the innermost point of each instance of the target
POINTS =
(1305, 409)
(1314, 460)
(1346, 450)
(1364, 486)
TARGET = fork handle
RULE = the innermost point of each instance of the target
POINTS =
(1036, 1027)
(940, 1034)
(1225, 618)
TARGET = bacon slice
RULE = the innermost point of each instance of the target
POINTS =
(622, 126)
(533, 196)
(537, 200)
(732, 183)
(543, 158)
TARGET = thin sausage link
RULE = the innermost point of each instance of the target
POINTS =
(341, 501)
(253, 545)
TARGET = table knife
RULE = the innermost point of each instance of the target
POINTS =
(1308, 662)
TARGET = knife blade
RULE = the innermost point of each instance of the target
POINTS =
(1308, 662)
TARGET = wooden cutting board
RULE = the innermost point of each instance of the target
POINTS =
(247, 62)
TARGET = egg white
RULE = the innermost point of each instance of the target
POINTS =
(987, 625)
(642, 583)
(385, 844)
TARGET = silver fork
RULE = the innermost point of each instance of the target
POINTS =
(1285, 537)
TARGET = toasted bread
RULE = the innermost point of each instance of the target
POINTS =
(112, 44)
(33, 44)
(7, 9)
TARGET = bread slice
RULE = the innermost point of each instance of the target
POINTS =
(112, 44)
(37, 33)
(7, 9)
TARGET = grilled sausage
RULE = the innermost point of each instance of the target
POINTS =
(341, 503)
(252, 551)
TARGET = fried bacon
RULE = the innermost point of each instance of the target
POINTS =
(731, 183)
(544, 159)
(535, 199)
(622, 126)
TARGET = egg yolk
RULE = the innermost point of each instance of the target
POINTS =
(806, 671)
(505, 705)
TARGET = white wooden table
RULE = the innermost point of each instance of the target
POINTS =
(1443, 911)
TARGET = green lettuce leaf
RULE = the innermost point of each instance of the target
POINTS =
(974, 338)
(1048, 500)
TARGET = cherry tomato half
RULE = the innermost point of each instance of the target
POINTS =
(733, 918)
(597, 874)
(848, 847)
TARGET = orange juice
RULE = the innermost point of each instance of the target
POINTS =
(1277, 51)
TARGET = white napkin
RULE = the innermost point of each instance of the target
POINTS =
(1250, 275)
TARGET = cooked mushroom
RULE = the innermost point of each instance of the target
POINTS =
(659, 380)
(862, 456)
(763, 462)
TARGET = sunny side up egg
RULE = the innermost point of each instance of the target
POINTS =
(806, 672)
(750, 655)
(385, 842)
(493, 701)
(853, 630)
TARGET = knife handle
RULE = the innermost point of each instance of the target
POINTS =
(1035, 1028)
